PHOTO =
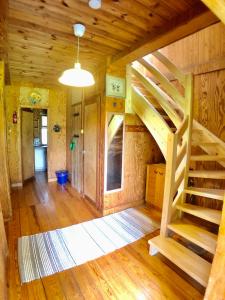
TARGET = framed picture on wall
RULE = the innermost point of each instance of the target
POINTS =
(115, 87)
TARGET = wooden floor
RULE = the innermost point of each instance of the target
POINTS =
(128, 273)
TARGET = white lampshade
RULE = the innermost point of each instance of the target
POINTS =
(95, 4)
(77, 77)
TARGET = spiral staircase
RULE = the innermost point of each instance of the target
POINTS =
(189, 230)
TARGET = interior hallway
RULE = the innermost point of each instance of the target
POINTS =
(128, 273)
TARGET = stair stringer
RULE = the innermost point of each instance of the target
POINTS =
(151, 118)
(207, 141)
(190, 133)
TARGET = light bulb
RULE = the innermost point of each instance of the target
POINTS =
(95, 4)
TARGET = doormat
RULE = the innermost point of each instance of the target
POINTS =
(44, 254)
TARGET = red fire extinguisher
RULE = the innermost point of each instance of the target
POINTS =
(15, 117)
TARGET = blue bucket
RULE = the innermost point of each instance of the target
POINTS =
(62, 176)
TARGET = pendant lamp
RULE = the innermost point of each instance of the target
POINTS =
(76, 76)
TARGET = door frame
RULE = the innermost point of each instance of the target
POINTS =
(94, 99)
(24, 107)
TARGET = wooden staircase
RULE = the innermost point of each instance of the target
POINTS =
(167, 112)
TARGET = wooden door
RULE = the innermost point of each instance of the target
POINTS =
(90, 149)
(77, 153)
(27, 144)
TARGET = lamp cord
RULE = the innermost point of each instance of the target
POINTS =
(78, 48)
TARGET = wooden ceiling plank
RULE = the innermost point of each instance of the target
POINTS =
(59, 33)
(82, 10)
(48, 49)
(195, 19)
(48, 61)
(131, 8)
(132, 14)
(168, 9)
(64, 23)
(19, 35)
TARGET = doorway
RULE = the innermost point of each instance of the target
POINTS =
(34, 142)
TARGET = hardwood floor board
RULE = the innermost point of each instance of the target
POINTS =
(70, 285)
(53, 287)
(119, 280)
(35, 290)
(182, 288)
(128, 273)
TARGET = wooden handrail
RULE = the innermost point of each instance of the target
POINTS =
(171, 67)
(181, 130)
(181, 154)
(151, 118)
(177, 149)
(163, 99)
(165, 83)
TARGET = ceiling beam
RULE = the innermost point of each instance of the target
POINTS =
(217, 7)
(194, 20)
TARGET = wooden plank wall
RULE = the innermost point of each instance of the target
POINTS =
(4, 176)
(139, 149)
(5, 201)
(56, 105)
(203, 54)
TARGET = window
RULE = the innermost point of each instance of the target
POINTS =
(44, 130)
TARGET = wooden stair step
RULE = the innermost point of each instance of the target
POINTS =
(197, 235)
(211, 215)
(204, 192)
(207, 174)
(207, 158)
(185, 259)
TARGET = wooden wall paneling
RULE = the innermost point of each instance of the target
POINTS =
(57, 140)
(5, 199)
(3, 261)
(139, 149)
(200, 18)
(13, 135)
(27, 149)
(91, 119)
(77, 154)
(69, 113)
(55, 102)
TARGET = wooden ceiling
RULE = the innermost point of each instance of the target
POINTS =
(41, 43)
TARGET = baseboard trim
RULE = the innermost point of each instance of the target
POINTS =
(52, 179)
(92, 205)
(17, 184)
(123, 206)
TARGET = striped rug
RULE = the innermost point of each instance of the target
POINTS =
(46, 253)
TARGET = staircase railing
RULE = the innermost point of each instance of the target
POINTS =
(178, 107)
